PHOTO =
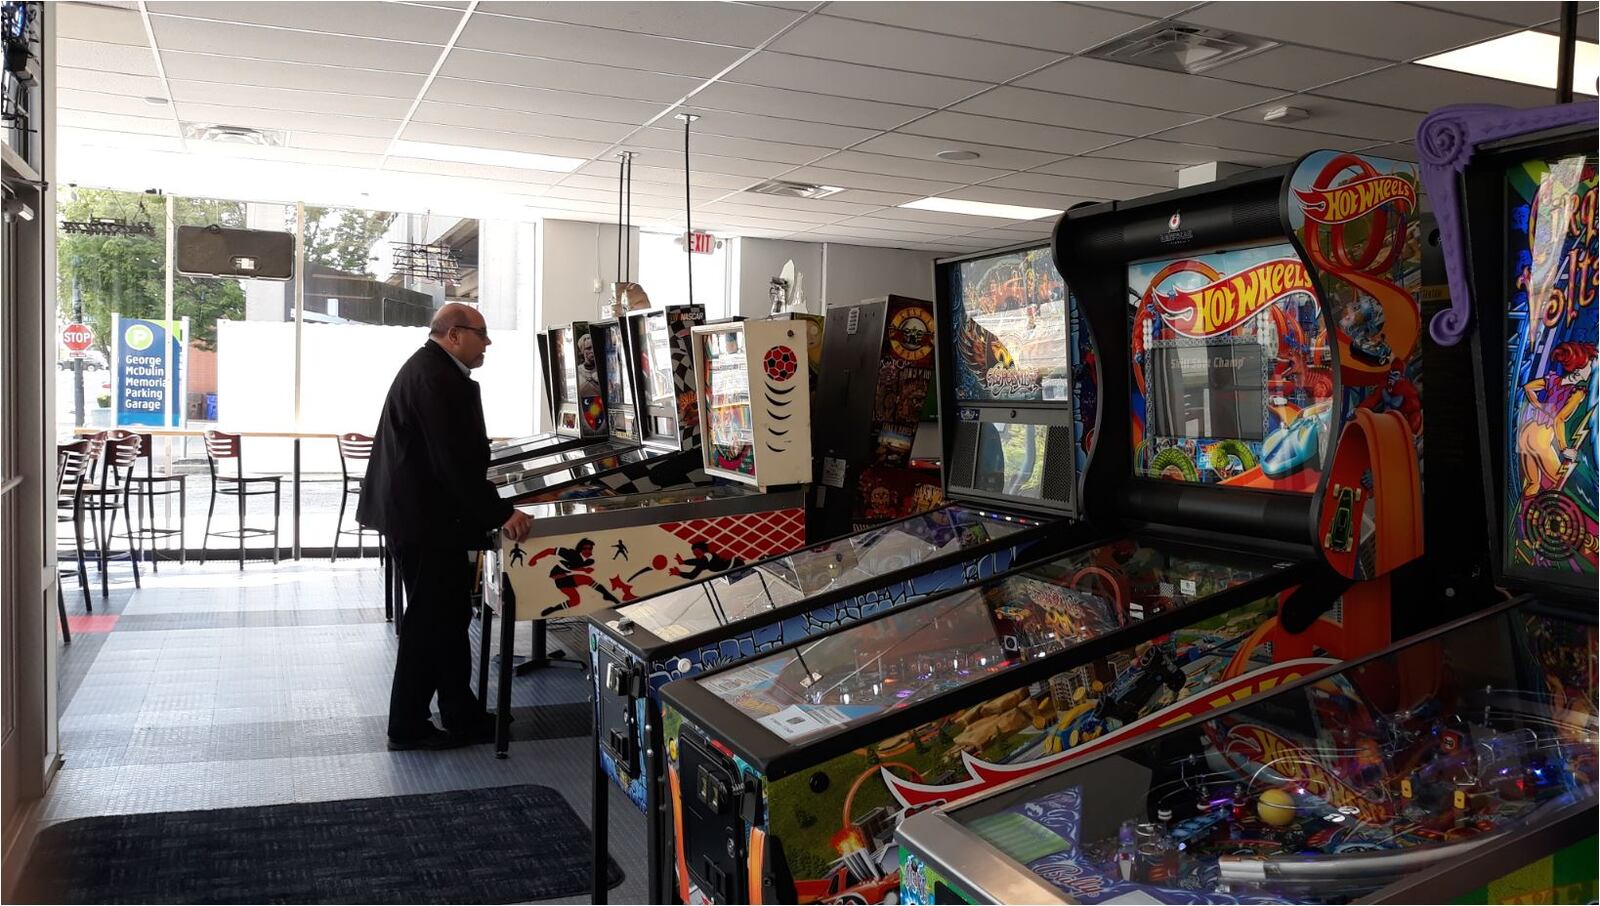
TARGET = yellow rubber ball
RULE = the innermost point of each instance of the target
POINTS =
(1276, 808)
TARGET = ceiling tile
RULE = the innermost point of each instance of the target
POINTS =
(859, 162)
(1515, 13)
(359, 144)
(1071, 185)
(1392, 31)
(781, 70)
(718, 23)
(824, 205)
(69, 137)
(768, 215)
(1029, 105)
(1176, 152)
(725, 146)
(111, 122)
(607, 169)
(532, 178)
(921, 147)
(362, 18)
(1423, 88)
(532, 100)
(801, 105)
(247, 42)
(1394, 150)
(643, 192)
(901, 227)
(1336, 117)
(105, 24)
(100, 102)
(1058, 27)
(750, 170)
(1155, 9)
(876, 197)
(1296, 68)
(1109, 81)
(1012, 236)
(96, 55)
(1116, 170)
(537, 124)
(913, 51)
(1030, 135)
(294, 121)
(558, 41)
(108, 82)
(288, 99)
(1255, 137)
(795, 132)
(925, 221)
(564, 75)
(874, 181)
(225, 70)
(484, 138)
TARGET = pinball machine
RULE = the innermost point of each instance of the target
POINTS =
(516, 448)
(1459, 766)
(649, 391)
(561, 359)
(983, 526)
(1252, 487)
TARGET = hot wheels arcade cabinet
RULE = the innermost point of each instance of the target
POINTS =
(985, 526)
(1247, 528)
(648, 390)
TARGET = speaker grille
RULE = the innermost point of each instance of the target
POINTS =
(964, 459)
(1058, 483)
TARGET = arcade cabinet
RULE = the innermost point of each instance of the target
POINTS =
(1256, 345)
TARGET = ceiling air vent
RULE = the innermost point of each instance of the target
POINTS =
(794, 189)
(234, 135)
(1177, 47)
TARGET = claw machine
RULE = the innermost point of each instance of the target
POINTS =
(1251, 492)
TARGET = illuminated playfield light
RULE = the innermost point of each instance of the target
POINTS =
(981, 209)
(492, 157)
(1528, 57)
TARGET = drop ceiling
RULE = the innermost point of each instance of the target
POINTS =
(861, 95)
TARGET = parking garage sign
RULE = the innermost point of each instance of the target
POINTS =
(148, 365)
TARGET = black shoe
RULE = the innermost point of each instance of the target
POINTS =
(432, 740)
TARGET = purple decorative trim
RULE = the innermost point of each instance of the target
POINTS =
(1446, 140)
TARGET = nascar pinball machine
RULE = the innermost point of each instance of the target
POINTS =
(987, 522)
(1254, 471)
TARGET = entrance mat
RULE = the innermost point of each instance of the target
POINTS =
(505, 844)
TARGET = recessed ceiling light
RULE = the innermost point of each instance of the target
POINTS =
(156, 100)
(981, 209)
(958, 154)
(492, 157)
(1528, 57)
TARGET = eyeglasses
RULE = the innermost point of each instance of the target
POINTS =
(480, 331)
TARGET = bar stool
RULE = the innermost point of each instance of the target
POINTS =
(353, 447)
(108, 496)
(223, 446)
(72, 466)
(145, 489)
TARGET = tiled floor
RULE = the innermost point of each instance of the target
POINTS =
(209, 688)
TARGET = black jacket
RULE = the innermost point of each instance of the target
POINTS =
(425, 483)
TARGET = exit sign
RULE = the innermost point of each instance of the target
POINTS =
(702, 243)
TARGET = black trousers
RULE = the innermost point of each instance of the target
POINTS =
(435, 651)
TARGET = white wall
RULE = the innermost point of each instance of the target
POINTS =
(762, 259)
(854, 272)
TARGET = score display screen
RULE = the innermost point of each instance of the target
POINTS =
(1009, 313)
(1214, 390)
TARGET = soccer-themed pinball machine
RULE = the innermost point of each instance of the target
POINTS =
(1253, 479)
(987, 523)
(649, 395)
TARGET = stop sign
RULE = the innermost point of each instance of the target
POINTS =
(77, 338)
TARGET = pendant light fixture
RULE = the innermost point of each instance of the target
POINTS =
(624, 268)
(688, 217)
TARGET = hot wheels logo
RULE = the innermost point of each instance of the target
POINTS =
(1344, 203)
(1225, 303)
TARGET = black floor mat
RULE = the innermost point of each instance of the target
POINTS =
(496, 845)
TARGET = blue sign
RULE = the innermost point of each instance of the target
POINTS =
(148, 366)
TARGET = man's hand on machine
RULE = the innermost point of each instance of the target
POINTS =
(517, 527)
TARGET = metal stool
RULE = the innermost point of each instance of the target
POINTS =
(145, 489)
(72, 466)
(223, 446)
(352, 447)
(108, 496)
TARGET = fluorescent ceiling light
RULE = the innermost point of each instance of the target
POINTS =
(1528, 57)
(492, 157)
(981, 209)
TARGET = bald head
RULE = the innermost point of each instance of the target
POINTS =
(454, 314)
(460, 330)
